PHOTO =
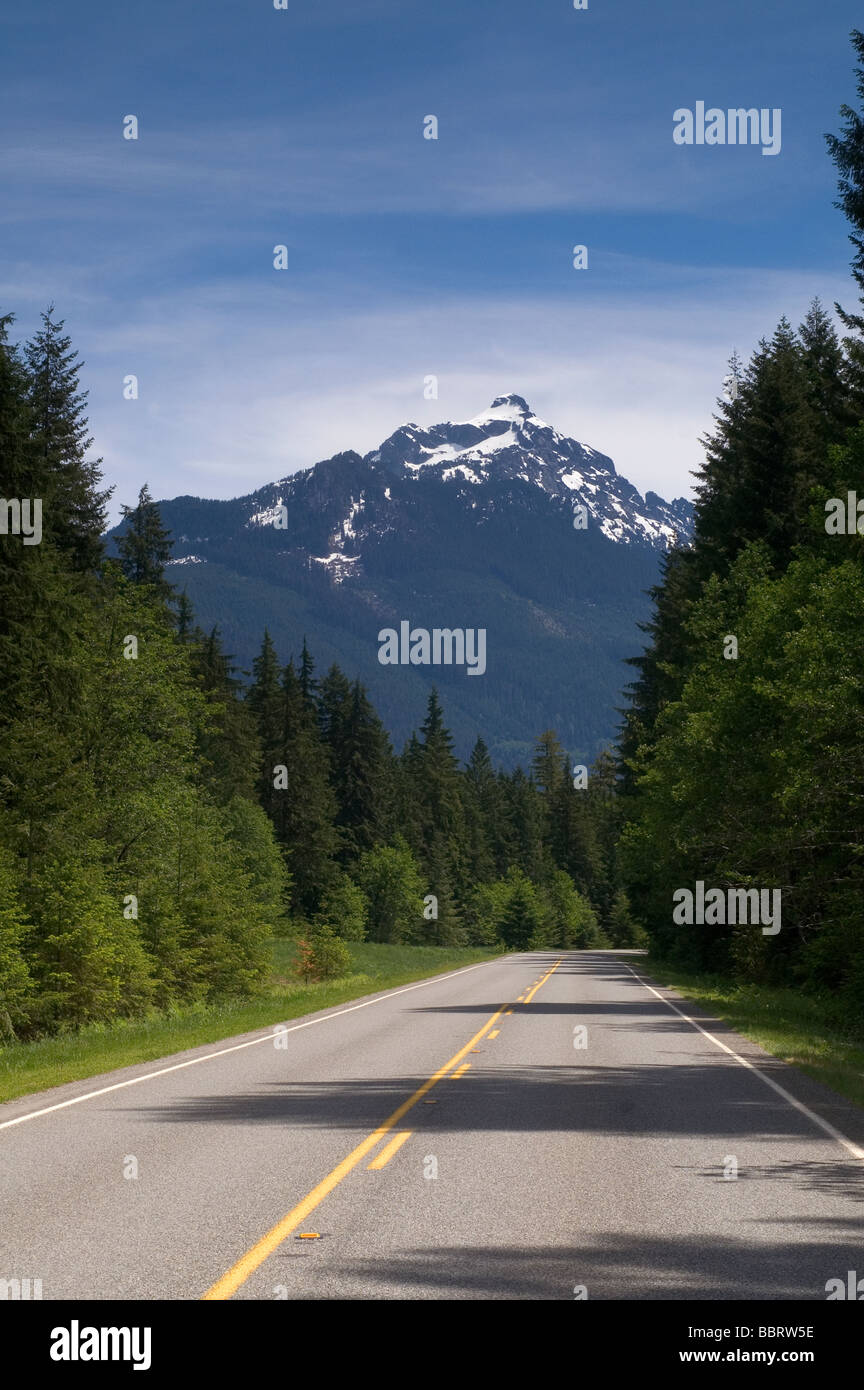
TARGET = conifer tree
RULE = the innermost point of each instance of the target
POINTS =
(21, 576)
(308, 684)
(145, 546)
(481, 810)
(365, 776)
(439, 773)
(360, 762)
(523, 919)
(265, 701)
(185, 617)
(334, 697)
(73, 505)
(304, 805)
(227, 742)
(391, 880)
(847, 152)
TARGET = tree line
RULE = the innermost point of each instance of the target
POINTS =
(414, 847)
(748, 771)
(163, 815)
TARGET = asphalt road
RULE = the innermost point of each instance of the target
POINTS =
(532, 1168)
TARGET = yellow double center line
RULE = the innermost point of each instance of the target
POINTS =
(248, 1263)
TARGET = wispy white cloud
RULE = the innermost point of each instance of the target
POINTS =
(240, 387)
(570, 151)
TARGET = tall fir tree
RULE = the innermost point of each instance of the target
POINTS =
(304, 804)
(481, 814)
(228, 744)
(265, 700)
(847, 152)
(74, 508)
(145, 546)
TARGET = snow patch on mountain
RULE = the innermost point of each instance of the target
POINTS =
(509, 443)
(490, 463)
(268, 516)
(347, 524)
(336, 564)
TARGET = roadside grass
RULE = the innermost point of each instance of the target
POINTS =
(34, 1066)
(796, 1027)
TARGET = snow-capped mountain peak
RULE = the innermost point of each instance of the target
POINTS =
(508, 443)
(497, 522)
(511, 408)
(494, 462)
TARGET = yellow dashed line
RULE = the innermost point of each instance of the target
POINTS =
(390, 1149)
(231, 1281)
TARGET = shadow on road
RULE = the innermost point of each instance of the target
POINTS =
(706, 1098)
(609, 1265)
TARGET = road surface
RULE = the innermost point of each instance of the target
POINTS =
(543, 1126)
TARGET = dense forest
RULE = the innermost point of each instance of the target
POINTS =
(163, 816)
(747, 769)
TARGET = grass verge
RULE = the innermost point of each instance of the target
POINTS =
(785, 1022)
(29, 1067)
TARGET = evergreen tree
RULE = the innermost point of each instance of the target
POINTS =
(444, 928)
(308, 684)
(571, 834)
(15, 981)
(345, 908)
(524, 819)
(304, 805)
(409, 798)
(437, 792)
(765, 458)
(145, 546)
(73, 507)
(228, 742)
(22, 580)
(360, 762)
(439, 770)
(334, 699)
(481, 809)
(847, 152)
(185, 617)
(390, 879)
(522, 926)
(266, 703)
(21, 476)
(760, 460)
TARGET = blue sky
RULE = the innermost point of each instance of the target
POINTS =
(409, 257)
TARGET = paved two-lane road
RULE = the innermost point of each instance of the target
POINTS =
(446, 1140)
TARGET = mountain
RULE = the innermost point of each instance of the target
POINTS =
(470, 525)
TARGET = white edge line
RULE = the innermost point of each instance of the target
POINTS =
(825, 1125)
(237, 1047)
